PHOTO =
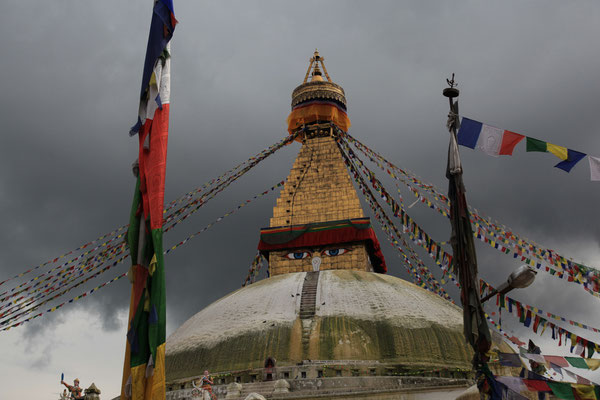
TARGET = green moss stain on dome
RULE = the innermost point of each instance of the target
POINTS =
(353, 339)
(249, 350)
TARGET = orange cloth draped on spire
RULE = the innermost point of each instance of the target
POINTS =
(321, 111)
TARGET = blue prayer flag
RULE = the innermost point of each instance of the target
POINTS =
(573, 158)
(469, 132)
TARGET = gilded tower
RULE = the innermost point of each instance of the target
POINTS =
(318, 223)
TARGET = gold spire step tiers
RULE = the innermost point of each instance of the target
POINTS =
(318, 188)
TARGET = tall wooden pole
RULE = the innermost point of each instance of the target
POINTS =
(464, 260)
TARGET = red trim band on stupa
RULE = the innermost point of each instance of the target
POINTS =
(323, 234)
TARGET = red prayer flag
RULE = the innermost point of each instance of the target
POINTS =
(509, 141)
(536, 385)
(557, 360)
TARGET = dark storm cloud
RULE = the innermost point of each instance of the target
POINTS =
(70, 81)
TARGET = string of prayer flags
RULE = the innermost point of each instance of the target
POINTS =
(68, 301)
(501, 237)
(429, 283)
(558, 362)
(509, 302)
(17, 301)
(537, 323)
(494, 142)
(417, 235)
(241, 205)
(119, 251)
(54, 260)
(490, 140)
(569, 157)
(79, 263)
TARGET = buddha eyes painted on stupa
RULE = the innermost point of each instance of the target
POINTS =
(300, 255)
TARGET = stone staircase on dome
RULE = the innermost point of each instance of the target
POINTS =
(308, 306)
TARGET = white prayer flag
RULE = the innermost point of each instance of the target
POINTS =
(490, 140)
(594, 168)
(538, 358)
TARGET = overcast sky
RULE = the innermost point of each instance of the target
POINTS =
(70, 77)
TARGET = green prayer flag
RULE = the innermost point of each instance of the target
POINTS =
(158, 307)
(522, 316)
(134, 224)
(561, 390)
(536, 145)
(577, 362)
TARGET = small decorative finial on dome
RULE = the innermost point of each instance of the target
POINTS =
(316, 75)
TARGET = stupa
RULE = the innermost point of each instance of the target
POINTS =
(328, 322)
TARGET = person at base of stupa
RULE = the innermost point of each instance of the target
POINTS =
(206, 384)
(75, 389)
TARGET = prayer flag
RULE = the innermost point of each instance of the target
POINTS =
(509, 141)
(490, 140)
(538, 358)
(144, 366)
(562, 390)
(527, 320)
(592, 363)
(557, 360)
(512, 382)
(583, 381)
(556, 369)
(509, 359)
(584, 392)
(558, 151)
(536, 145)
(536, 385)
(594, 168)
(577, 362)
(573, 158)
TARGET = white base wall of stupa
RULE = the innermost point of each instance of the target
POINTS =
(373, 388)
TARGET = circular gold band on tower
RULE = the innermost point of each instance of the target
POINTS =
(315, 90)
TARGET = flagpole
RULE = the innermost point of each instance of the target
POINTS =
(476, 330)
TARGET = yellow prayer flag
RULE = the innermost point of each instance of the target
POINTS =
(593, 363)
(584, 392)
(153, 83)
(559, 151)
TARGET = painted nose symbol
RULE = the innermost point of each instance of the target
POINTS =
(316, 263)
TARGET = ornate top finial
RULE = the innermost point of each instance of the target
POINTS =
(317, 87)
(316, 75)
